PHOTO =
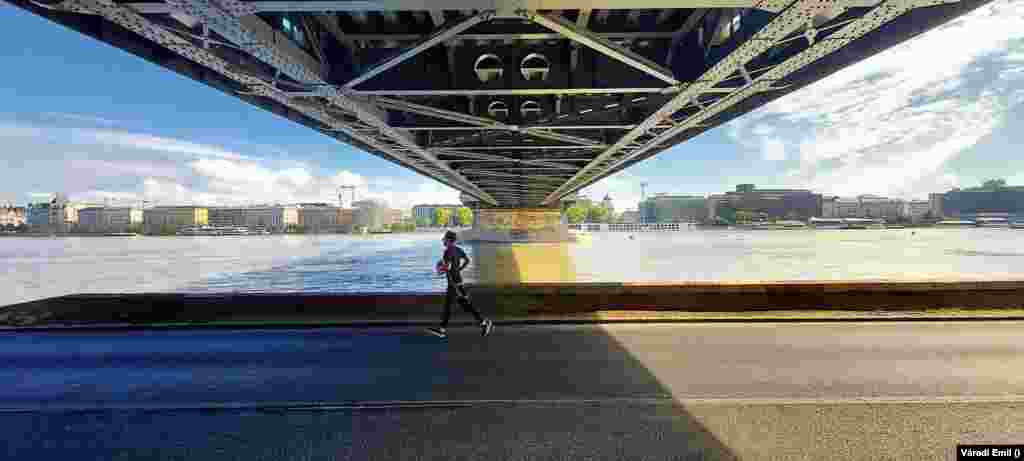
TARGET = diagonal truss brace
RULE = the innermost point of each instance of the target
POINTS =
(529, 178)
(250, 33)
(136, 23)
(782, 25)
(602, 45)
(499, 158)
(853, 30)
(434, 39)
(494, 184)
(479, 121)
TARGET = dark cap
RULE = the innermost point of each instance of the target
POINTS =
(449, 235)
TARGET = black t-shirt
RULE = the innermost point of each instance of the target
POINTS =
(453, 257)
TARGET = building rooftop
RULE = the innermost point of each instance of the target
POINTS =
(773, 191)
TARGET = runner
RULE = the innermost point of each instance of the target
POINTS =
(452, 263)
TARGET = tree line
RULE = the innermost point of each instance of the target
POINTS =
(442, 216)
(589, 212)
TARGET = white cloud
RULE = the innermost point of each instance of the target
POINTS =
(103, 196)
(763, 130)
(222, 182)
(95, 165)
(892, 123)
(773, 149)
(154, 143)
(623, 187)
(121, 168)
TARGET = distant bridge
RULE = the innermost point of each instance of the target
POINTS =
(516, 103)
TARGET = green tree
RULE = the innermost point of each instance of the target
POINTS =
(423, 221)
(135, 228)
(575, 214)
(743, 216)
(726, 214)
(994, 184)
(598, 214)
(441, 216)
(464, 216)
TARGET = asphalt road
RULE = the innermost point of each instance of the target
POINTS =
(881, 390)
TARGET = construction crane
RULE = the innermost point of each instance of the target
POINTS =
(341, 195)
(643, 196)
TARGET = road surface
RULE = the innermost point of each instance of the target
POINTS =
(873, 390)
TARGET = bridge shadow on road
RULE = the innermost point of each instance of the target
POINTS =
(553, 392)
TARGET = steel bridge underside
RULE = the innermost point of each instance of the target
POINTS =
(517, 103)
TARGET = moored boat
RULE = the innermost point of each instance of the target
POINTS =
(955, 223)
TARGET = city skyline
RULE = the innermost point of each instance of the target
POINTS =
(899, 124)
(243, 203)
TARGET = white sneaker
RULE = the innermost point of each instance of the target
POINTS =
(487, 326)
(438, 331)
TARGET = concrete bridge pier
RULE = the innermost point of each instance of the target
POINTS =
(515, 224)
(518, 225)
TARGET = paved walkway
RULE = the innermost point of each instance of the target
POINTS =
(460, 318)
(882, 390)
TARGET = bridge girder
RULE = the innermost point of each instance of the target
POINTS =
(631, 83)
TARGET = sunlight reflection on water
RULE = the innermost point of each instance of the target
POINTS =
(40, 267)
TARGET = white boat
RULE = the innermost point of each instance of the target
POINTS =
(857, 223)
(232, 230)
(952, 223)
(196, 231)
(1017, 225)
(213, 230)
(993, 222)
(780, 225)
(826, 223)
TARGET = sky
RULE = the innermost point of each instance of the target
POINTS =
(81, 117)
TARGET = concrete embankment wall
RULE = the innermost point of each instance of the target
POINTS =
(524, 299)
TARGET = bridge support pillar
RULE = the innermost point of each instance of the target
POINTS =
(518, 225)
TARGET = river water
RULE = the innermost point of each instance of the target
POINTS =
(34, 268)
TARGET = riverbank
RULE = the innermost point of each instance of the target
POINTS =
(546, 302)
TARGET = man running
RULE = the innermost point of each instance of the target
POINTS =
(452, 263)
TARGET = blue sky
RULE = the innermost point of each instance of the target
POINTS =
(87, 119)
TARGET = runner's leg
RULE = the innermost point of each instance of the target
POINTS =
(467, 305)
(449, 297)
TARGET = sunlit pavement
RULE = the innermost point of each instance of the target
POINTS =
(882, 390)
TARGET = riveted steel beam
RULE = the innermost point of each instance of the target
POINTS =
(478, 121)
(254, 36)
(602, 45)
(499, 158)
(316, 6)
(133, 21)
(786, 22)
(437, 37)
(853, 30)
